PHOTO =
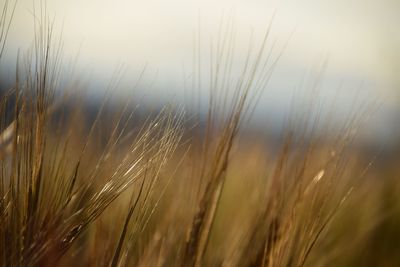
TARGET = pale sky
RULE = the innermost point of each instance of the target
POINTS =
(358, 35)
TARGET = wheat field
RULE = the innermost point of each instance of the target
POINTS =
(127, 187)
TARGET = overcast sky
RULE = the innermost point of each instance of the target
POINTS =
(360, 36)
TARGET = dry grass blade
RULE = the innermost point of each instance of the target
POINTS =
(232, 117)
(45, 205)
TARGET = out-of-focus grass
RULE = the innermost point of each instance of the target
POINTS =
(168, 191)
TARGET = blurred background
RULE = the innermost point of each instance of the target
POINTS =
(351, 45)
